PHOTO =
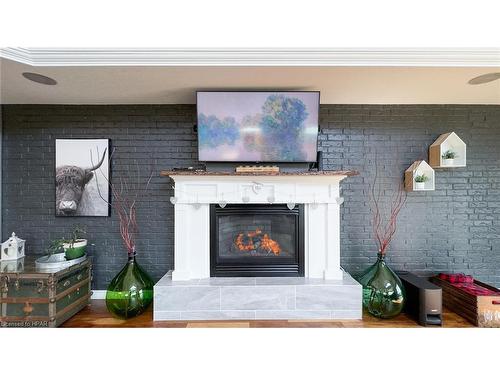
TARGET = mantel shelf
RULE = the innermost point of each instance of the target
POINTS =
(222, 173)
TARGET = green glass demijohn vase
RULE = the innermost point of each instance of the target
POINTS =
(130, 292)
(383, 291)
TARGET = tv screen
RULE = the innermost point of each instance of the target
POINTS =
(257, 126)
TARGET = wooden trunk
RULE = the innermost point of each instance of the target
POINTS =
(43, 299)
(482, 311)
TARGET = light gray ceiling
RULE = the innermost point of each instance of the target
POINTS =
(172, 85)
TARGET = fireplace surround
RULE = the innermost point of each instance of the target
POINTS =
(318, 192)
(265, 208)
(256, 240)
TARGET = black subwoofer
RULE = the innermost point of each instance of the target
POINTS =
(423, 299)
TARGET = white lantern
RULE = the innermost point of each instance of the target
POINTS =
(13, 248)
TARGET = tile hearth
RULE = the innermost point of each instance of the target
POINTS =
(249, 298)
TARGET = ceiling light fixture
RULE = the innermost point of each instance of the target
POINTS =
(38, 78)
(484, 78)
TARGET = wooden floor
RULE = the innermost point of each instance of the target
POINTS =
(96, 316)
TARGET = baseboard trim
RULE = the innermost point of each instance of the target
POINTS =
(98, 294)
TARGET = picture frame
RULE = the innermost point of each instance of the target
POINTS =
(82, 177)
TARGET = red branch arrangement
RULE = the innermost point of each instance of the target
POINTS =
(125, 198)
(384, 221)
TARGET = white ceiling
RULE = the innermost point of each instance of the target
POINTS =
(156, 84)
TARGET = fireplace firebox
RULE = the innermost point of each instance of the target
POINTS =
(256, 240)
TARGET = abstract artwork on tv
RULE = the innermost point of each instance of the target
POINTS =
(257, 126)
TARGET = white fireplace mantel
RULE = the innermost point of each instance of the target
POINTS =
(318, 191)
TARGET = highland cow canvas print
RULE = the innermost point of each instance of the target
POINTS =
(82, 177)
(257, 126)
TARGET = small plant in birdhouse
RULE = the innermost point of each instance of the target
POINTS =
(420, 180)
(449, 157)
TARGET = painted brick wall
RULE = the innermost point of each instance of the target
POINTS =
(455, 228)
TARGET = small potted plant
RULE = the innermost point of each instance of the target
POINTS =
(73, 248)
(56, 247)
(420, 180)
(76, 246)
(449, 157)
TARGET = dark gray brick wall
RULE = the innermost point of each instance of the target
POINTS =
(455, 228)
(139, 133)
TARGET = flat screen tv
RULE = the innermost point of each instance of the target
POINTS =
(279, 126)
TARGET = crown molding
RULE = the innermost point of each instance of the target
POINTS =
(446, 57)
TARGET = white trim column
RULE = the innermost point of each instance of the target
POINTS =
(181, 243)
(192, 241)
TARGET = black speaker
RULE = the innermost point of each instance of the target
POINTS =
(423, 299)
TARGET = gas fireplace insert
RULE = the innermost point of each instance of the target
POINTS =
(256, 240)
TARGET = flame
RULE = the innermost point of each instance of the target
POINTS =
(242, 246)
(270, 245)
(266, 242)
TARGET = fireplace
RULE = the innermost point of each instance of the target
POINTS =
(255, 234)
(197, 195)
(256, 240)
